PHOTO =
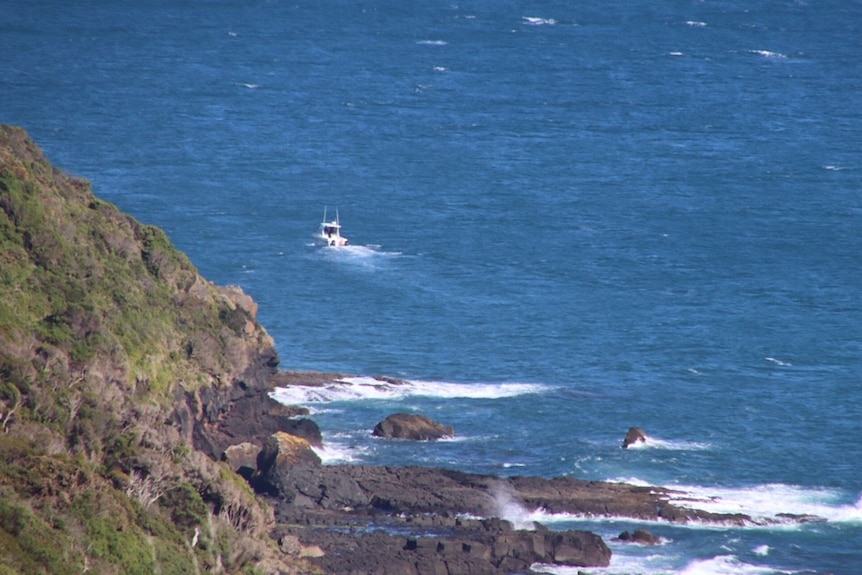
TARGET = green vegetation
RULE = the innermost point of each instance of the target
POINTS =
(103, 325)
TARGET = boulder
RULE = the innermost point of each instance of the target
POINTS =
(641, 536)
(242, 458)
(578, 548)
(635, 435)
(411, 426)
(282, 454)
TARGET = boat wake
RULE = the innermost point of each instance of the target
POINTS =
(369, 388)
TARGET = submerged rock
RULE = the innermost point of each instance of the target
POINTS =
(411, 426)
(641, 536)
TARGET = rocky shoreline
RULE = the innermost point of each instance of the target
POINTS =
(415, 520)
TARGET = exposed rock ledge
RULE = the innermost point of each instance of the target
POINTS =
(416, 520)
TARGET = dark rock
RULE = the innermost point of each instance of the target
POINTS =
(327, 489)
(641, 536)
(635, 435)
(283, 455)
(412, 426)
(477, 547)
(579, 549)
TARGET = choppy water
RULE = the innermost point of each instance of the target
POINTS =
(566, 219)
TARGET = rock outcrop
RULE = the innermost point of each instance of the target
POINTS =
(640, 536)
(453, 547)
(412, 426)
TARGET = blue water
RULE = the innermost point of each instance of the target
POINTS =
(566, 219)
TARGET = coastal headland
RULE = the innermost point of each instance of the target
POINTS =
(138, 433)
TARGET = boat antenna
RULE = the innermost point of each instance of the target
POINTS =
(337, 219)
(324, 213)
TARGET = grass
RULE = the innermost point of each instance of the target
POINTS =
(103, 325)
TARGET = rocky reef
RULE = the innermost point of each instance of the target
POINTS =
(138, 435)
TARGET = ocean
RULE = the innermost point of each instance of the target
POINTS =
(566, 219)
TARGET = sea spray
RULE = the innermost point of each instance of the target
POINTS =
(508, 507)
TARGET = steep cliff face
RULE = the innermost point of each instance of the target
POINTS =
(123, 374)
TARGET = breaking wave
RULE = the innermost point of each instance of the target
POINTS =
(369, 388)
(769, 505)
(670, 445)
(533, 21)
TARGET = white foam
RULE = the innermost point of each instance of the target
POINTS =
(769, 54)
(621, 564)
(695, 23)
(671, 445)
(726, 565)
(368, 388)
(770, 503)
(662, 565)
(778, 362)
(432, 42)
(762, 550)
(533, 21)
(332, 453)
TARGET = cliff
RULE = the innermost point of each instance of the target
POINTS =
(123, 376)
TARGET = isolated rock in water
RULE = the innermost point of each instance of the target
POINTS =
(410, 426)
(641, 536)
(635, 435)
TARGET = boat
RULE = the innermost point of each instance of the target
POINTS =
(330, 231)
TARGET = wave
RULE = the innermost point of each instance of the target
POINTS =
(771, 503)
(670, 445)
(533, 21)
(369, 388)
(695, 23)
(432, 42)
(770, 506)
(726, 564)
(661, 565)
(769, 54)
(334, 452)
